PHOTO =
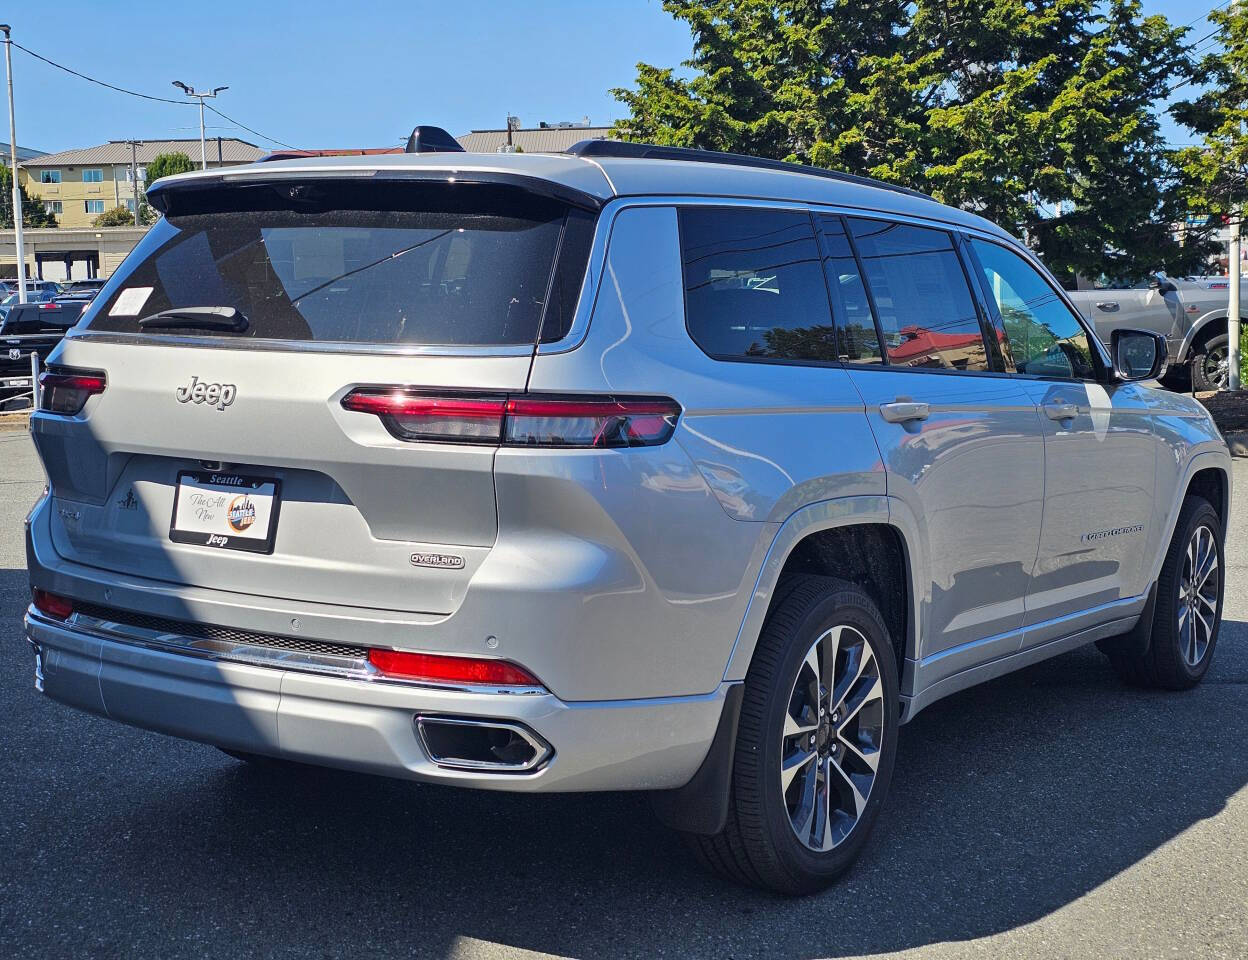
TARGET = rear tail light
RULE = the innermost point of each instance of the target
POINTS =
(527, 421)
(52, 604)
(438, 668)
(67, 391)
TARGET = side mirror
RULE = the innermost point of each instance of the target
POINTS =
(1165, 286)
(1138, 355)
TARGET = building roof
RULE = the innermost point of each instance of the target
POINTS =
(603, 178)
(118, 151)
(532, 139)
(23, 153)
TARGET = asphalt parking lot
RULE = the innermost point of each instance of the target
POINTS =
(1052, 813)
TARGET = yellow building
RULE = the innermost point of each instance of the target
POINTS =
(76, 186)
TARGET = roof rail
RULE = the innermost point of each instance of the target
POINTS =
(654, 151)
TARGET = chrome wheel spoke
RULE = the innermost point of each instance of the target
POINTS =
(831, 738)
(1199, 589)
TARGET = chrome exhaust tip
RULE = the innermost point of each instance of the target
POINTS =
(482, 746)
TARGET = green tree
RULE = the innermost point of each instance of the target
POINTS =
(116, 217)
(1040, 116)
(167, 164)
(33, 212)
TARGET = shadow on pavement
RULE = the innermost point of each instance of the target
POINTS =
(1010, 801)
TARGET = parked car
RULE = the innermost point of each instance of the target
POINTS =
(1190, 313)
(41, 295)
(89, 287)
(10, 286)
(33, 327)
(632, 468)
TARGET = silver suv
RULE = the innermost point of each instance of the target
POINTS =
(630, 468)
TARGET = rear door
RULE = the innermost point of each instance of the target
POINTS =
(237, 418)
(1100, 450)
(961, 443)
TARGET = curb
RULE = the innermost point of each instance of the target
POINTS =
(18, 422)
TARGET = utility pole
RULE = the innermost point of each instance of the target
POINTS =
(18, 241)
(134, 176)
(200, 95)
(1232, 321)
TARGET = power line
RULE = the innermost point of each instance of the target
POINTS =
(147, 96)
(83, 76)
(208, 106)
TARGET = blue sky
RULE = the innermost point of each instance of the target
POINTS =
(310, 75)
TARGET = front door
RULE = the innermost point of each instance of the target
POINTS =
(1100, 454)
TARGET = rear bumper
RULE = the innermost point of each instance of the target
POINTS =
(369, 726)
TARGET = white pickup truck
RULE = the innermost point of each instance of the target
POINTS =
(1190, 313)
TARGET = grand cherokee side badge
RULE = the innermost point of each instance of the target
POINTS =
(444, 561)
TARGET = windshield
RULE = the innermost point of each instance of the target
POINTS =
(392, 264)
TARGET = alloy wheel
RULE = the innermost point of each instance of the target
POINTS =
(1216, 364)
(833, 731)
(1198, 595)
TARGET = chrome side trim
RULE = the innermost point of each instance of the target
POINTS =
(339, 348)
(542, 751)
(203, 648)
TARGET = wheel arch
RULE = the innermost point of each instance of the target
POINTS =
(873, 541)
(1209, 475)
(1204, 328)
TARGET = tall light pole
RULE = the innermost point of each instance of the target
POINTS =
(18, 241)
(200, 95)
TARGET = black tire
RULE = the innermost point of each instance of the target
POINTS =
(1208, 364)
(1167, 662)
(760, 846)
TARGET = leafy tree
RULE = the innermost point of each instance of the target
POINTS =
(116, 217)
(33, 212)
(1038, 115)
(167, 164)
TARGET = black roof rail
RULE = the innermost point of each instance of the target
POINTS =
(654, 151)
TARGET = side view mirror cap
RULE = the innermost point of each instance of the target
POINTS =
(1138, 355)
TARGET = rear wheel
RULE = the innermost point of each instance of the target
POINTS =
(1210, 364)
(1188, 611)
(816, 741)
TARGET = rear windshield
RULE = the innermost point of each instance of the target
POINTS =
(376, 263)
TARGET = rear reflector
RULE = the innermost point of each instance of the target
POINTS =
(52, 605)
(437, 668)
(526, 421)
(67, 391)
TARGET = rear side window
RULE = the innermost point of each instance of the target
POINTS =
(859, 342)
(753, 285)
(927, 315)
(1045, 338)
(377, 263)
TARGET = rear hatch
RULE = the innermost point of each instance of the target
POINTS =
(219, 454)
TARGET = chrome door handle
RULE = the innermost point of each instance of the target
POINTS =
(1109, 306)
(1061, 411)
(903, 411)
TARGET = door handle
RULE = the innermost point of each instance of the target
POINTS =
(1109, 306)
(903, 411)
(1061, 411)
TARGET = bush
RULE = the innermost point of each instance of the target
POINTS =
(116, 217)
(167, 164)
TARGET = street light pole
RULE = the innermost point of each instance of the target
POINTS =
(1233, 308)
(19, 241)
(201, 95)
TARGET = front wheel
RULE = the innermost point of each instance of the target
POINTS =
(1188, 610)
(816, 741)
(1211, 364)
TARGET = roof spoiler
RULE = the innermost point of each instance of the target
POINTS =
(654, 151)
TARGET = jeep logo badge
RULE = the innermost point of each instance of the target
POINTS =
(219, 395)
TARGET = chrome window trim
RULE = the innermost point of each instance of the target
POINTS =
(336, 347)
(279, 658)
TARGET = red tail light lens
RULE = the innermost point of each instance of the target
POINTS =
(437, 668)
(67, 391)
(528, 421)
(572, 422)
(52, 605)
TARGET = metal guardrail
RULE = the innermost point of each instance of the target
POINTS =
(31, 383)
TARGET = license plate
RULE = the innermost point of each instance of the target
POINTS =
(19, 383)
(226, 511)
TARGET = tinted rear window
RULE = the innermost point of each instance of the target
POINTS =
(404, 264)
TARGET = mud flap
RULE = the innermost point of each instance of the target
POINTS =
(1135, 642)
(701, 805)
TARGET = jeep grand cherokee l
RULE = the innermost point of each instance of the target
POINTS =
(629, 468)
